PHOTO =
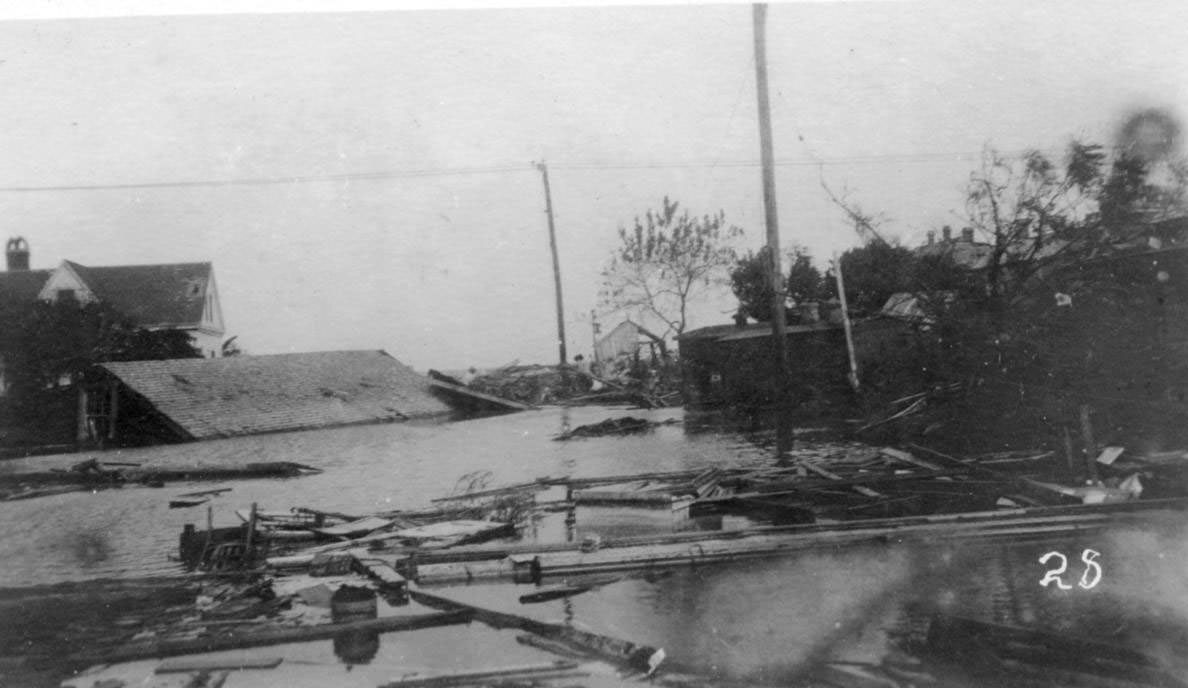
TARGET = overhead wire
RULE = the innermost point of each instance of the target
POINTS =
(813, 161)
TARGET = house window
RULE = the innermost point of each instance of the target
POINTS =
(67, 295)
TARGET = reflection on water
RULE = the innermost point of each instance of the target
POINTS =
(90, 548)
(356, 647)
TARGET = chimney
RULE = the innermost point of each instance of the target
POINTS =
(947, 233)
(931, 237)
(17, 251)
(967, 235)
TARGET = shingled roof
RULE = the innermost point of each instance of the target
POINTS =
(151, 295)
(245, 395)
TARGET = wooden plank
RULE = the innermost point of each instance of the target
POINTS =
(472, 556)
(691, 549)
(620, 652)
(538, 484)
(489, 399)
(234, 662)
(833, 476)
(360, 527)
(1028, 487)
(260, 637)
(640, 497)
(531, 672)
(905, 457)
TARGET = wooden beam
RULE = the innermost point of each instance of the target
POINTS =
(620, 652)
(813, 468)
(260, 637)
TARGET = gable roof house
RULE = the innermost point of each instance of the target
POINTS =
(180, 296)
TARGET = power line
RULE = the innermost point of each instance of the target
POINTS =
(265, 181)
(892, 158)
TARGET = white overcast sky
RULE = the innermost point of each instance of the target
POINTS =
(627, 104)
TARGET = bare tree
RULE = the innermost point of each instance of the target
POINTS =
(667, 261)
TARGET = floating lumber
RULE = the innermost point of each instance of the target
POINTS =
(905, 457)
(412, 560)
(205, 493)
(614, 650)
(805, 485)
(685, 549)
(186, 503)
(269, 469)
(260, 637)
(667, 476)
(538, 484)
(631, 498)
(1029, 487)
(562, 590)
(813, 468)
(470, 397)
(385, 575)
(557, 669)
(355, 528)
(237, 662)
(50, 491)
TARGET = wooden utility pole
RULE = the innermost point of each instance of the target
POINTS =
(845, 311)
(778, 334)
(544, 172)
(595, 330)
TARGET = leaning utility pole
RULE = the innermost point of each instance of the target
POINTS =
(544, 171)
(778, 335)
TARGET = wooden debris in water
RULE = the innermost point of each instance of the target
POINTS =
(484, 677)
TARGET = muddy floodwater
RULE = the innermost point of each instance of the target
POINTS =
(755, 621)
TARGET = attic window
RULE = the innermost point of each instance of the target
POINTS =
(67, 295)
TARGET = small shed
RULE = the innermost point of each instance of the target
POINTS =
(628, 337)
(197, 399)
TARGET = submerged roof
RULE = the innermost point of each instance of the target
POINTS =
(245, 395)
(151, 295)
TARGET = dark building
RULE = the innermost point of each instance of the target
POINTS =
(728, 364)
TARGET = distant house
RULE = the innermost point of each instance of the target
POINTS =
(188, 399)
(178, 296)
(628, 337)
(964, 251)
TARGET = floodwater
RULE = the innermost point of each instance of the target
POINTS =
(753, 621)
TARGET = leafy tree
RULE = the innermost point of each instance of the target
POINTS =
(872, 273)
(47, 343)
(804, 282)
(668, 260)
(1035, 212)
(751, 286)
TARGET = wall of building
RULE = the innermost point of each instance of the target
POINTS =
(743, 371)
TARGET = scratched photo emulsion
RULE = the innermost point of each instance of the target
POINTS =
(793, 344)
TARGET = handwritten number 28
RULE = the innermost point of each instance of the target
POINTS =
(1090, 578)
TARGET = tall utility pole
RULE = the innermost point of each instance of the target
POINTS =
(544, 172)
(778, 335)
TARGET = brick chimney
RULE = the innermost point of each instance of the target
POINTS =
(17, 252)
(931, 237)
(967, 235)
(946, 234)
